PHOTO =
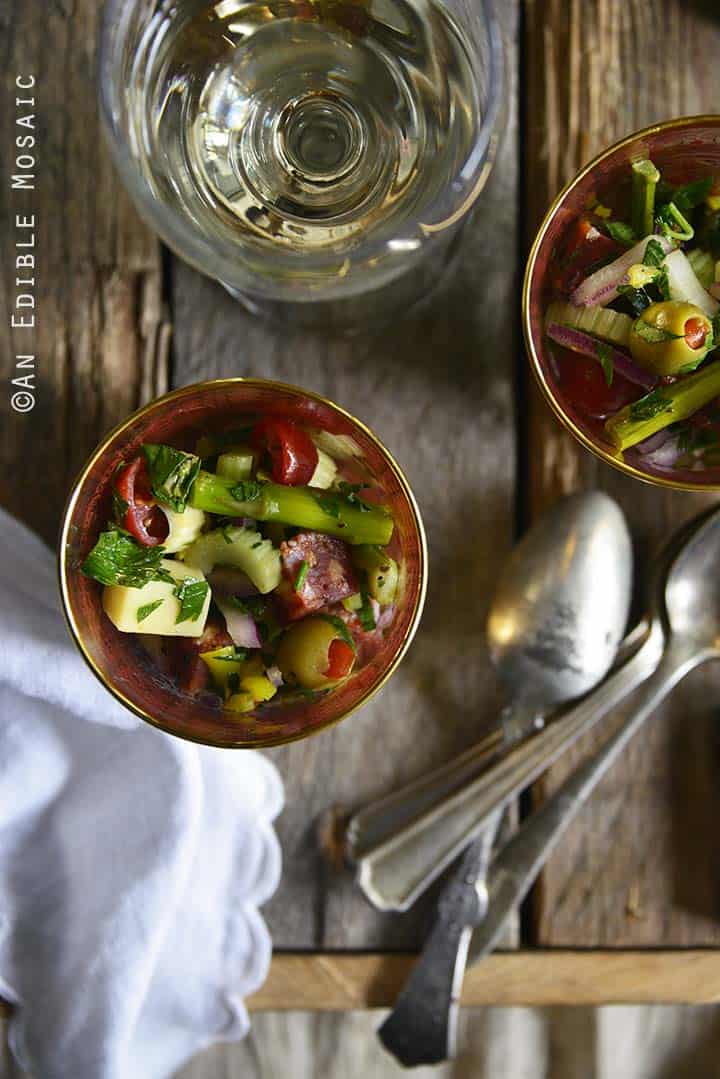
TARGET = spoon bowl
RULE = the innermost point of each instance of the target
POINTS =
(562, 602)
(692, 590)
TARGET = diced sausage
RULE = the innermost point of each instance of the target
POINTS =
(329, 578)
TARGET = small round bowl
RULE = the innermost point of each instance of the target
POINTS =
(121, 663)
(684, 150)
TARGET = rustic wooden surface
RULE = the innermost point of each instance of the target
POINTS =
(437, 388)
(99, 294)
(641, 867)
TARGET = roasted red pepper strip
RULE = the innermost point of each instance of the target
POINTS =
(584, 384)
(696, 330)
(293, 454)
(340, 660)
(142, 518)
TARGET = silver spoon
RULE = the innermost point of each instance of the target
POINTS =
(687, 605)
(557, 616)
(422, 1027)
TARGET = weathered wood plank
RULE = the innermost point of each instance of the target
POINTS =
(342, 982)
(631, 872)
(437, 388)
(99, 288)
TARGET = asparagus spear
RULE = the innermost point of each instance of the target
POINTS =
(645, 178)
(302, 507)
(663, 406)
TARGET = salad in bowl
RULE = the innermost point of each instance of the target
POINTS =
(242, 563)
(622, 304)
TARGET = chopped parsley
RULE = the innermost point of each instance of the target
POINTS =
(117, 559)
(343, 632)
(119, 507)
(689, 196)
(191, 594)
(604, 354)
(172, 474)
(654, 257)
(366, 616)
(652, 404)
(148, 608)
(654, 335)
(346, 496)
(302, 576)
(621, 232)
(654, 254)
(225, 532)
(246, 491)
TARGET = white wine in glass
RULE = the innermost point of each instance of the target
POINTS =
(302, 150)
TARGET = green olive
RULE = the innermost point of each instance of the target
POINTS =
(671, 337)
(302, 654)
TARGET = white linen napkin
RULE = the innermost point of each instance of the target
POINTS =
(132, 864)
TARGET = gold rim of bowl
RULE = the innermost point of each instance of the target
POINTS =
(622, 466)
(189, 391)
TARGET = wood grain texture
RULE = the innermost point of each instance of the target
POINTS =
(344, 982)
(99, 341)
(633, 870)
(437, 388)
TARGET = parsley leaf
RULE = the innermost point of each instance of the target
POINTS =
(246, 491)
(172, 474)
(333, 502)
(191, 594)
(365, 614)
(147, 609)
(654, 335)
(654, 254)
(604, 353)
(343, 632)
(301, 577)
(119, 507)
(689, 196)
(621, 232)
(650, 405)
(117, 559)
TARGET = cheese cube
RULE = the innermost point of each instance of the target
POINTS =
(121, 605)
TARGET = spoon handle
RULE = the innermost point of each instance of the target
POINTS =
(376, 822)
(518, 863)
(393, 874)
(422, 1027)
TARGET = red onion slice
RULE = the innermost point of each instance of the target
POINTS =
(588, 346)
(240, 626)
(601, 287)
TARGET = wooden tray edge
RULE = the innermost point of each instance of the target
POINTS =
(348, 982)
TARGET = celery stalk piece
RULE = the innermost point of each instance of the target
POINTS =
(645, 178)
(665, 405)
(301, 507)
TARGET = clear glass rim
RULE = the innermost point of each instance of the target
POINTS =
(449, 208)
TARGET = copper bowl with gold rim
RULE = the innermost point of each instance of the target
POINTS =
(120, 662)
(685, 149)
